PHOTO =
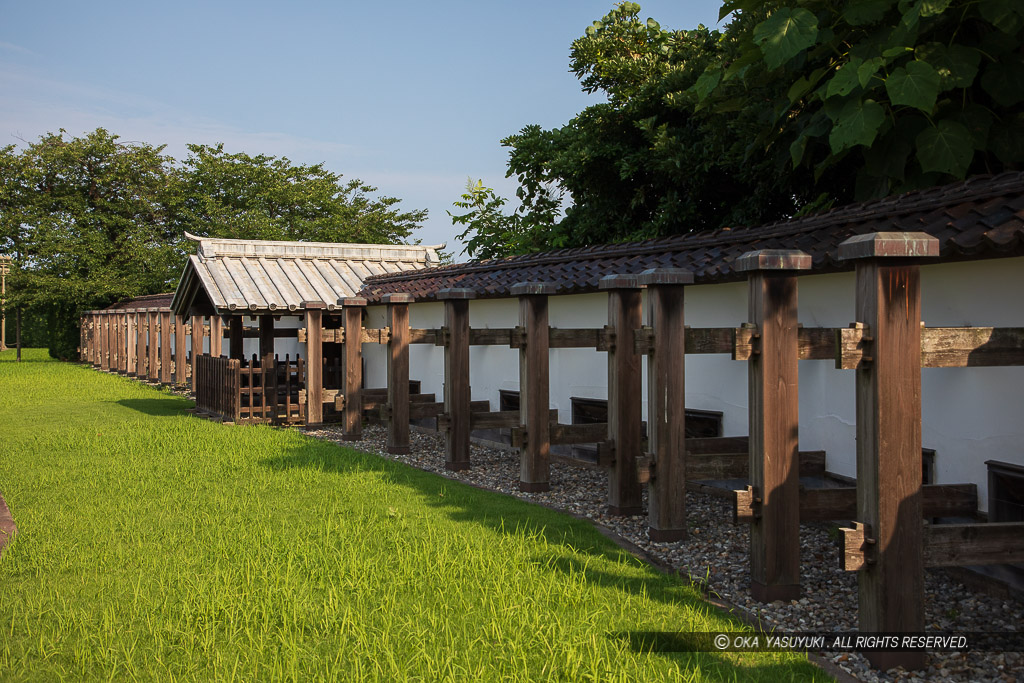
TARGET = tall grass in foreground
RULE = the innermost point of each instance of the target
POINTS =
(153, 545)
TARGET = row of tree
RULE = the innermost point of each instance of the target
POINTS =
(796, 105)
(92, 219)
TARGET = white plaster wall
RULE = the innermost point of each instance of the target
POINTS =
(969, 415)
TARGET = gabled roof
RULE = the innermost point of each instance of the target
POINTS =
(264, 276)
(979, 218)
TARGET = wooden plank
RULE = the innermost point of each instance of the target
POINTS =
(314, 358)
(216, 335)
(737, 465)
(563, 434)
(818, 505)
(490, 337)
(502, 419)
(166, 328)
(960, 545)
(352, 367)
(422, 336)
(180, 351)
(197, 347)
(580, 338)
(376, 335)
(398, 372)
(718, 444)
(958, 347)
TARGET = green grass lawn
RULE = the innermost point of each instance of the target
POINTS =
(154, 545)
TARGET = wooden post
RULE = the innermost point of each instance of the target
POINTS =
(266, 335)
(534, 386)
(141, 332)
(180, 351)
(666, 403)
(197, 346)
(891, 587)
(624, 393)
(216, 335)
(314, 359)
(123, 343)
(153, 373)
(105, 340)
(398, 372)
(119, 337)
(456, 375)
(774, 411)
(165, 346)
(352, 364)
(236, 338)
(131, 345)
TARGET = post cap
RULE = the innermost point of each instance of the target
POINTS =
(620, 281)
(889, 245)
(313, 304)
(452, 293)
(398, 298)
(351, 301)
(773, 259)
(524, 288)
(666, 276)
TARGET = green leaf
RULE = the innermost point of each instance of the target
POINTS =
(1004, 81)
(857, 123)
(653, 25)
(1005, 15)
(978, 121)
(929, 8)
(915, 85)
(785, 34)
(945, 148)
(956, 65)
(845, 79)
(707, 83)
(867, 70)
(861, 12)
(733, 5)
(798, 89)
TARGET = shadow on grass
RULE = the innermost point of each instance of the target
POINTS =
(158, 407)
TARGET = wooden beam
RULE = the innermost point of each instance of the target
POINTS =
(153, 339)
(236, 340)
(960, 545)
(941, 347)
(534, 389)
(624, 393)
(314, 362)
(352, 366)
(562, 434)
(267, 338)
(166, 328)
(398, 371)
(666, 403)
(216, 335)
(737, 465)
(891, 590)
(141, 343)
(423, 336)
(773, 410)
(104, 340)
(180, 352)
(718, 444)
(503, 419)
(131, 344)
(456, 376)
(197, 346)
(819, 505)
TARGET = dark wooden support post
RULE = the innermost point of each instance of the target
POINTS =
(625, 391)
(889, 499)
(105, 340)
(141, 328)
(153, 317)
(456, 375)
(94, 337)
(216, 335)
(774, 411)
(121, 319)
(398, 372)
(165, 346)
(352, 361)
(534, 387)
(314, 362)
(180, 351)
(236, 338)
(132, 344)
(197, 346)
(666, 402)
(266, 335)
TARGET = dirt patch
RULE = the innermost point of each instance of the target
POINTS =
(7, 527)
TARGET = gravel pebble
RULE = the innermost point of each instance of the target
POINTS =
(716, 556)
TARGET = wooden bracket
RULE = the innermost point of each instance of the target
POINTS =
(606, 453)
(746, 506)
(609, 338)
(443, 336)
(854, 346)
(643, 340)
(444, 422)
(645, 469)
(746, 342)
(302, 396)
(859, 549)
(518, 437)
(301, 335)
(517, 339)
(385, 411)
(339, 402)
(329, 395)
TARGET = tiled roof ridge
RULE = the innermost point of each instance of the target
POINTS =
(975, 188)
(222, 247)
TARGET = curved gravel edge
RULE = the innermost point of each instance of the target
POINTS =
(7, 526)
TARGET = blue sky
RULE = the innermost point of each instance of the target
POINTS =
(412, 97)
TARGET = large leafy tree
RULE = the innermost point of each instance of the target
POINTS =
(795, 105)
(265, 197)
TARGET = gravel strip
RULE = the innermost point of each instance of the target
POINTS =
(716, 556)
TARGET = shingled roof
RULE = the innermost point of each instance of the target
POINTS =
(148, 301)
(982, 217)
(258, 276)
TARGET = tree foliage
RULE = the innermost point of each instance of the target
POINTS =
(92, 220)
(795, 105)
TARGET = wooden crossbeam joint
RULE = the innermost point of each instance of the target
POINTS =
(643, 340)
(443, 337)
(645, 469)
(517, 339)
(518, 437)
(385, 411)
(301, 335)
(859, 549)
(854, 346)
(444, 422)
(747, 505)
(606, 453)
(608, 335)
(746, 342)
